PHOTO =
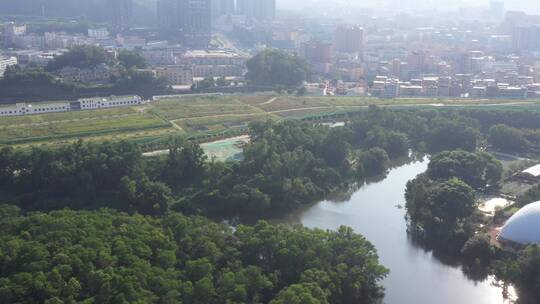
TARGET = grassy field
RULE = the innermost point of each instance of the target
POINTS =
(48, 129)
(173, 109)
(63, 116)
(194, 117)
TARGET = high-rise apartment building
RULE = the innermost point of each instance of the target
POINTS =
(121, 12)
(11, 31)
(196, 20)
(526, 38)
(262, 10)
(192, 19)
(222, 8)
(496, 9)
(349, 39)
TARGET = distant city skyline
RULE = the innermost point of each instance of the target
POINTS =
(531, 6)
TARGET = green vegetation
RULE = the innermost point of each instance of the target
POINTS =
(530, 196)
(277, 68)
(131, 59)
(43, 127)
(506, 138)
(441, 202)
(157, 255)
(479, 170)
(110, 257)
(202, 116)
(84, 57)
(522, 270)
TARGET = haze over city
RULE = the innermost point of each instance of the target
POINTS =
(270, 151)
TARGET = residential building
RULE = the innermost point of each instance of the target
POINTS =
(349, 39)
(175, 75)
(5, 62)
(526, 38)
(121, 12)
(222, 8)
(99, 73)
(191, 18)
(160, 57)
(257, 10)
(214, 63)
(98, 33)
(12, 30)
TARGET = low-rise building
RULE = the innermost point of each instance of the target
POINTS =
(100, 73)
(175, 75)
(38, 108)
(214, 63)
(5, 63)
(80, 104)
(109, 102)
(410, 90)
(513, 92)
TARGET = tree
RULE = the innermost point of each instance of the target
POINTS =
(131, 59)
(301, 294)
(222, 82)
(206, 83)
(507, 138)
(451, 200)
(476, 169)
(438, 211)
(84, 56)
(394, 143)
(452, 135)
(530, 196)
(477, 247)
(374, 161)
(110, 257)
(276, 68)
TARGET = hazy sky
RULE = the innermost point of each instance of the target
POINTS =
(531, 6)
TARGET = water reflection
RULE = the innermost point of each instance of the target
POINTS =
(418, 274)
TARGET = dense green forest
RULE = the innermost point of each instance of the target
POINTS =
(110, 257)
(152, 245)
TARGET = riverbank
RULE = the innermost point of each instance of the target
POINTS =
(372, 210)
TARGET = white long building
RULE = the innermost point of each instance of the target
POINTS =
(81, 104)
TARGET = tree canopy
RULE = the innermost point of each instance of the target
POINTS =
(276, 68)
(506, 138)
(84, 56)
(131, 59)
(476, 169)
(109, 257)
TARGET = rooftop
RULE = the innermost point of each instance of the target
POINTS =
(534, 171)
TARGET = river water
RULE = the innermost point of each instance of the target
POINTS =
(416, 275)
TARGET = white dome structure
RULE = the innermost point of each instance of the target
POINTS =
(524, 226)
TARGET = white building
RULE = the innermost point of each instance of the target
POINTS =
(39, 108)
(5, 63)
(80, 104)
(110, 102)
(524, 226)
(98, 33)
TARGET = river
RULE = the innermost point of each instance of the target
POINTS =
(416, 276)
